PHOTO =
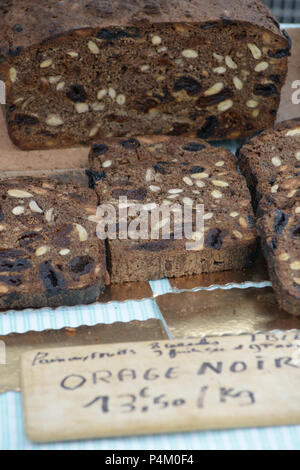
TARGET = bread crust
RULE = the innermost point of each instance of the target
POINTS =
(270, 162)
(43, 19)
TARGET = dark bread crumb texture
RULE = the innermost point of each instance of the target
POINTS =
(49, 253)
(271, 164)
(80, 71)
(169, 171)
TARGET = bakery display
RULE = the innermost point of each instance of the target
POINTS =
(192, 173)
(175, 74)
(123, 197)
(271, 164)
(49, 253)
(77, 72)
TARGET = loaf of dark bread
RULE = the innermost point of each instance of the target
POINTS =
(271, 164)
(169, 171)
(77, 71)
(49, 253)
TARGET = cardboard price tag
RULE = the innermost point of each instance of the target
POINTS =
(164, 386)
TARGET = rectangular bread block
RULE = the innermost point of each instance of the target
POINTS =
(77, 72)
(49, 253)
(271, 164)
(169, 171)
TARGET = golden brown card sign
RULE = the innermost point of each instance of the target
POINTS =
(17, 344)
(162, 386)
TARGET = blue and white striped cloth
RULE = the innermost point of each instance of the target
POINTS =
(281, 438)
(285, 10)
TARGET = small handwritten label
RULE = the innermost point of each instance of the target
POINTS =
(165, 386)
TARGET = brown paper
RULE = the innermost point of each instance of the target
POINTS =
(64, 176)
(219, 312)
(17, 344)
(158, 387)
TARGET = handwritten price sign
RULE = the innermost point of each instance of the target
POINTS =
(139, 388)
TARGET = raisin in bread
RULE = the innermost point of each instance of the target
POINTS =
(271, 164)
(79, 71)
(192, 173)
(49, 253)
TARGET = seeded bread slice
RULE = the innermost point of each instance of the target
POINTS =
(49, 253)
(79, 71)
(110, 154)
(193, 173)
(271, 164)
